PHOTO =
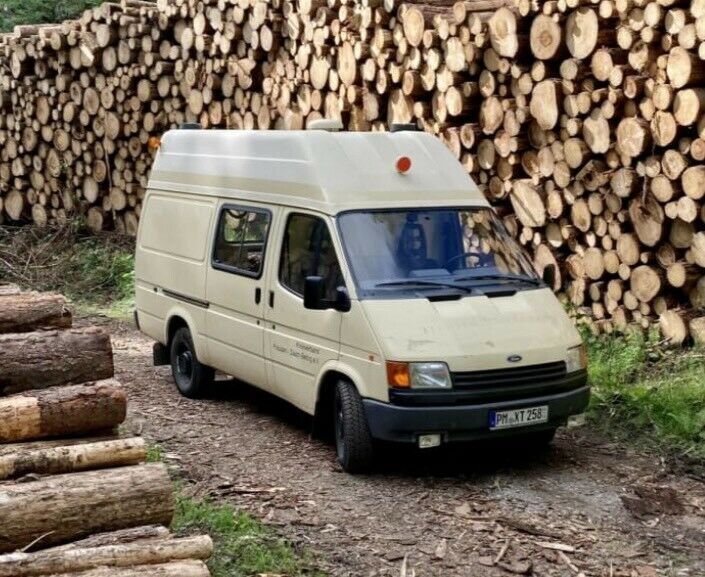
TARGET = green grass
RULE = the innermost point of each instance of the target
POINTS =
(649, 394)
(13, 12)
(155, 454)
(243, 546)
(95, 272)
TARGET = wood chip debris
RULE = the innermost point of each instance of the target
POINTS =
(557, 547)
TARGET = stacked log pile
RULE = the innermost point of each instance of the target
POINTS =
(580, 119)
(76, 498)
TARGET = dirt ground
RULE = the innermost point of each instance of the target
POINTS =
(584, 507)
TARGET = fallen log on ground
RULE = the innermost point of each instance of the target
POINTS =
(62, 508)
(26, 312)
(176, 569)
(7, 289)
(124, 555)
(44, 359)
(62, 411)
(70, 459)
(28, 446)
(121, 537)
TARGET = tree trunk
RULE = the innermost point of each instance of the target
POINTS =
(31, 311)
(122, 555)
(62, 411)
(8, 289)
(73, 458)
(45, 359)
(62, 508)
(120, 537)
(175, 569)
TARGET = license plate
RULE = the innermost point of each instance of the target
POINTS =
(518, 417)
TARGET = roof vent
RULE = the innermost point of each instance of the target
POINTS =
(327, 124)
(399, 127)
(190, 126)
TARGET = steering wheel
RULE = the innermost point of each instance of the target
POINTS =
(457, 257)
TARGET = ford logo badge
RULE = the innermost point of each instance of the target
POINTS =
(514, 358)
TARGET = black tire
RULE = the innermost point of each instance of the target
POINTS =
(192, 378)
(353, 442)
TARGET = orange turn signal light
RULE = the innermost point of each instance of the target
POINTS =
(398, 376)
(403, 165)
(154, 143)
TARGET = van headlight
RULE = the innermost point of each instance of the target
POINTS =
(427, 376)
(576, 359)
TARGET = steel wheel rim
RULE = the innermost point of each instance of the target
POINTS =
(184, 363)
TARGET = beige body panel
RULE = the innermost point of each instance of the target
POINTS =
(172, 262)
(474, 333)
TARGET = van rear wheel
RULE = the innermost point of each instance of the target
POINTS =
(192, 378)
(353, 442)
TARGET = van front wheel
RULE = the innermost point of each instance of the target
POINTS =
(191, 377)
(353, 441)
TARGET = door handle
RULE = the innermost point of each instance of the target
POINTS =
(271, 299)
(258, 295)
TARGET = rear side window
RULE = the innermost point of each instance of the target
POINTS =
(241, 240)
(308, 251)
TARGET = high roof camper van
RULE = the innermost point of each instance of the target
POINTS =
(362, 277)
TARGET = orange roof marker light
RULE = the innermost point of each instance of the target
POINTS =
(154, 143)
(403, 165)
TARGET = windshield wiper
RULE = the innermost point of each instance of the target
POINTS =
(509, 277)
(422, 283)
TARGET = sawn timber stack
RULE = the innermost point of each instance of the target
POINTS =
(94, 498)
(582, 120)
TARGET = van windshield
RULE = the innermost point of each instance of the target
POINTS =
(439, 249)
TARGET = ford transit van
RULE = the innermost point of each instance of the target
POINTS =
(362, 277)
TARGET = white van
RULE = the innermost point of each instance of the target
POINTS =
(362, 277)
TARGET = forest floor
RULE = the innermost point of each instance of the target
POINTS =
(588, 505)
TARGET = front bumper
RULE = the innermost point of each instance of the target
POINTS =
(404, 424)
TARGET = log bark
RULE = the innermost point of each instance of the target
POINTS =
(123, 536)
(32, 311)
(73, 458)
(45, 359)
(176, 569)
(62, 411)
(62, 508)
(8, 289)
(74, 560)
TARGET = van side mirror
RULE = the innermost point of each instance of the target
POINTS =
(342, 300)
(314, 291)
(314, 296)
(549, 275)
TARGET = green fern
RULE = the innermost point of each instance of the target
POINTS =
(14, 12)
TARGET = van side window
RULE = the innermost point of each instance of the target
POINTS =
(240, 241)
(308, 251)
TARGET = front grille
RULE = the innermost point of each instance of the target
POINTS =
(514, 377)
(497, 386)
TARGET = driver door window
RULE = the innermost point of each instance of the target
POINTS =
(308, 251)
